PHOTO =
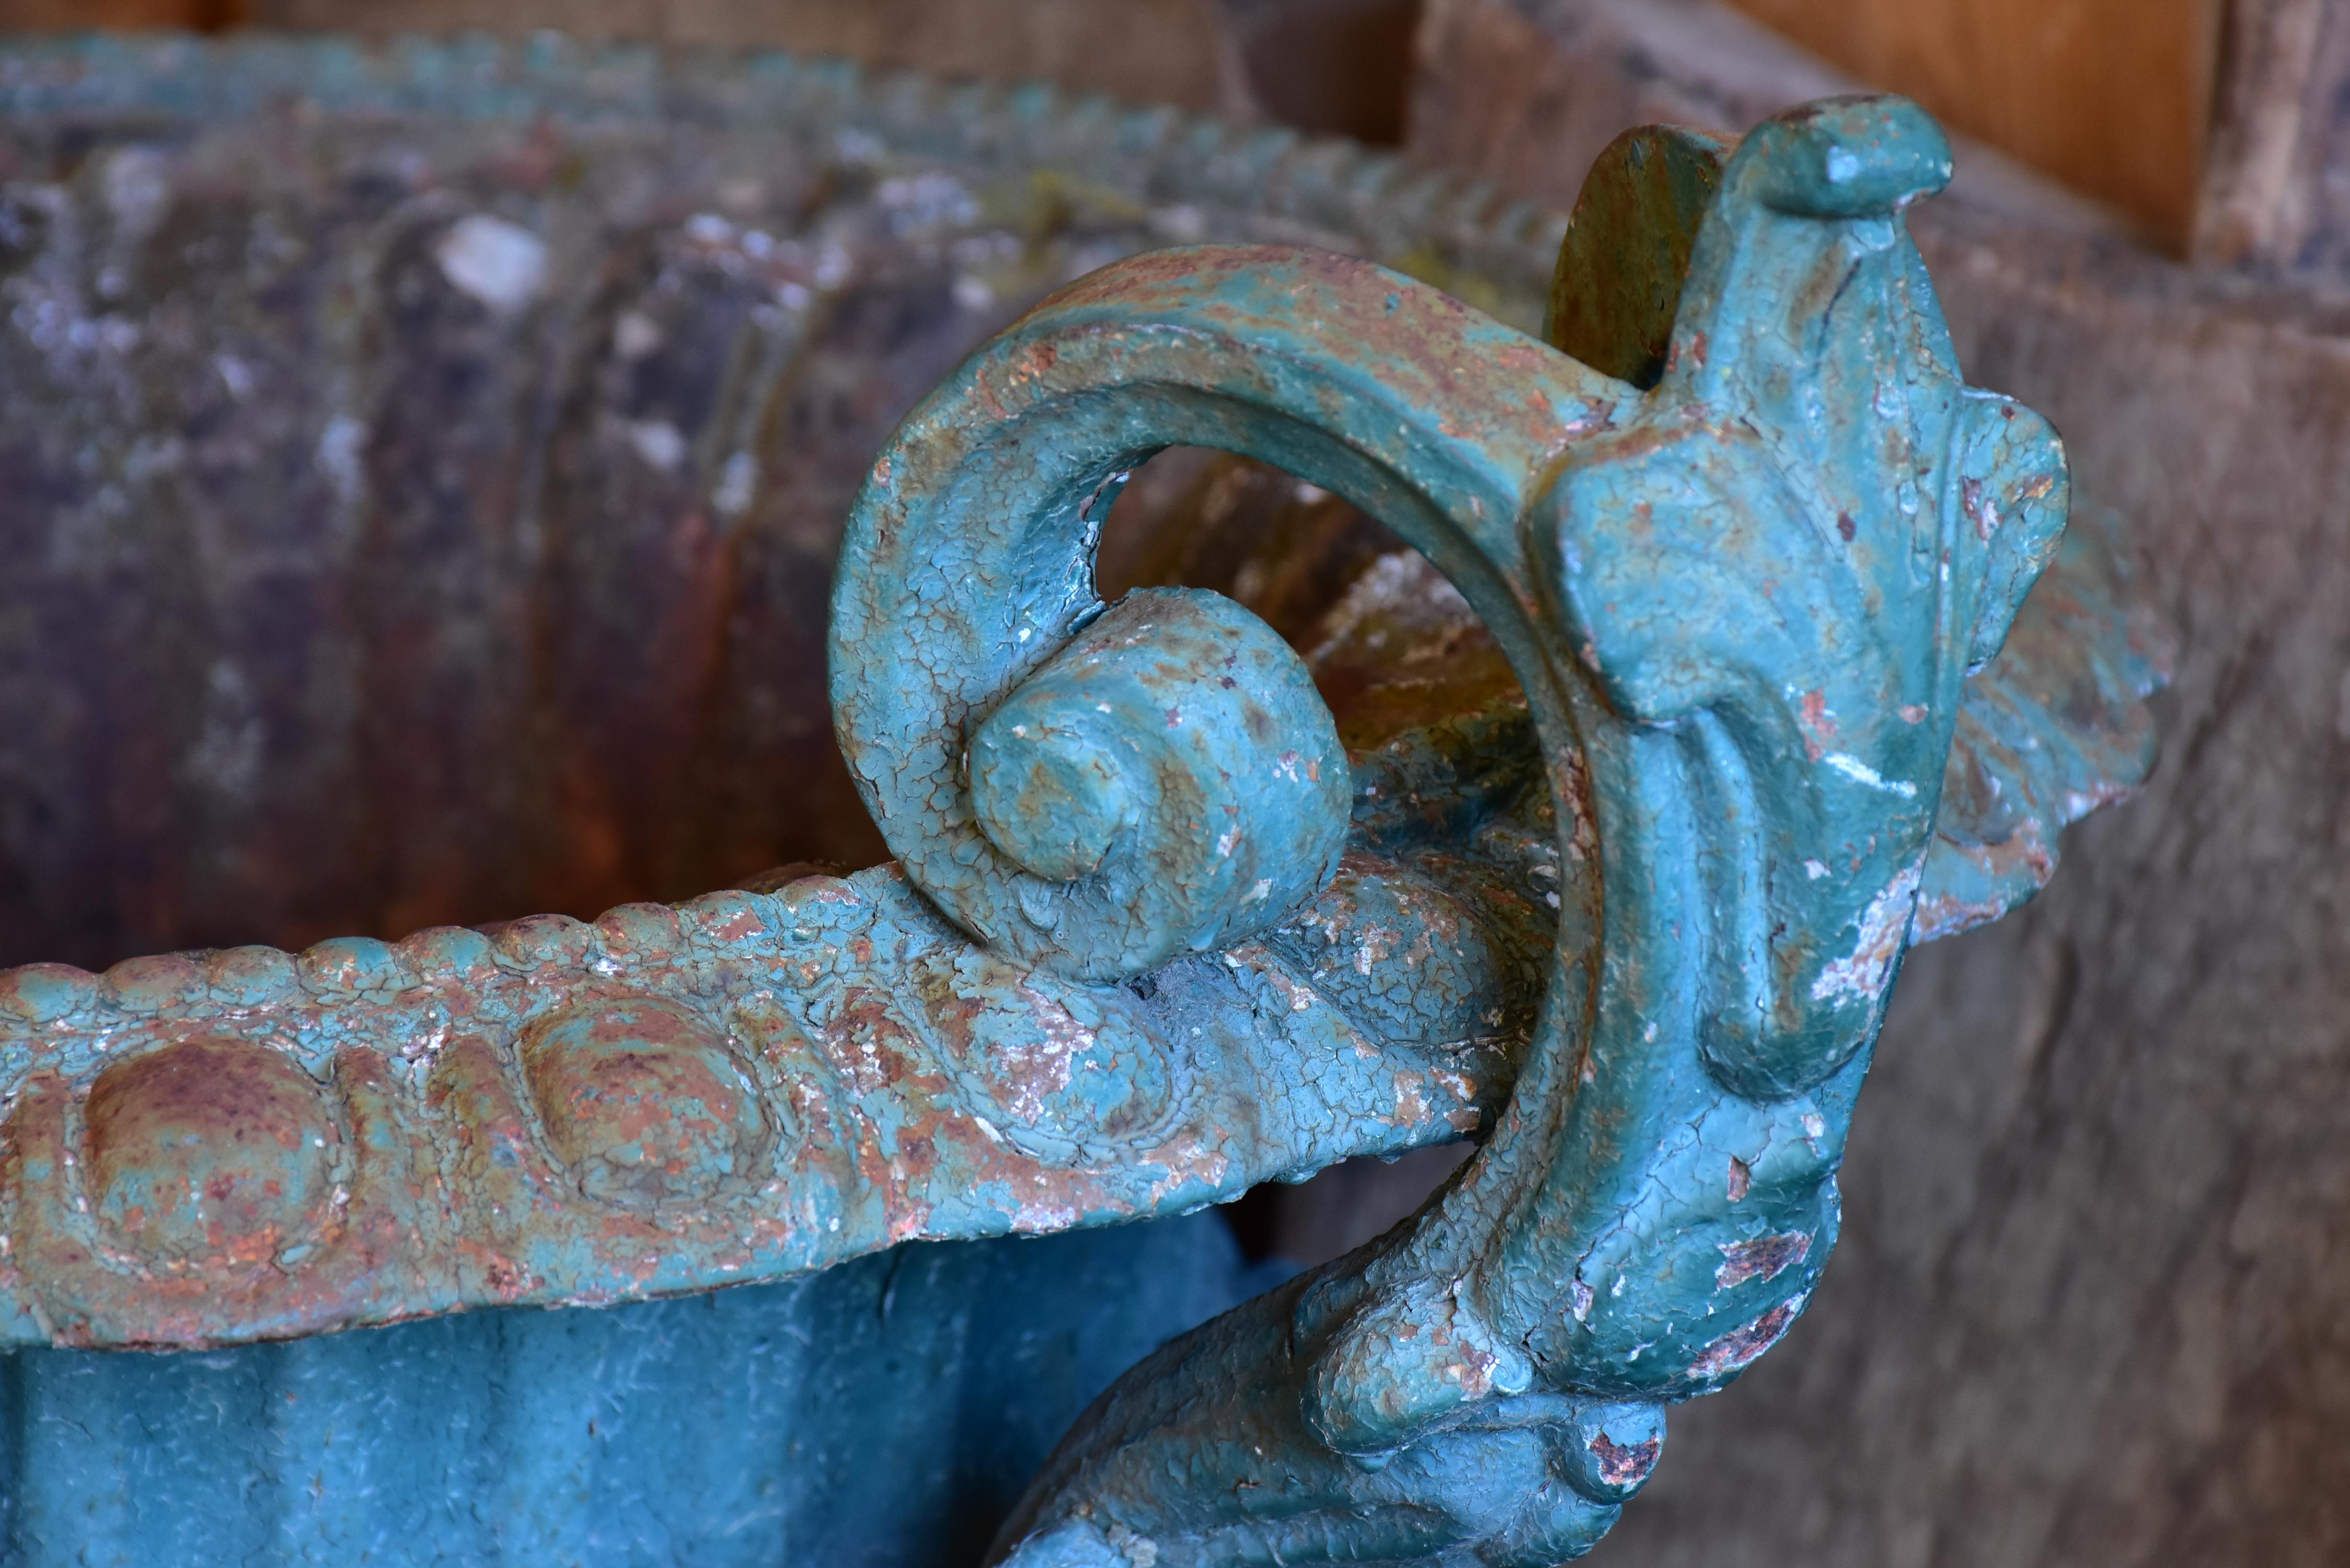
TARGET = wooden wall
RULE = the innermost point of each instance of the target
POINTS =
(2111, 96)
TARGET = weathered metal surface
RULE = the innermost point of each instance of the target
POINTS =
(249, 1145)
(2052, 729)
(1170, 773)
(1627, 251)
(1163, 926)
(422, 467)
(364, 575)
(882, 1414)
(1741, 606)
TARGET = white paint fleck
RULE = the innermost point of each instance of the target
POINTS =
(636, 335)
(228, 751)
(498, 262)
(138, 189)
(1853, 768)
(659, 443)
(1815, 870)
(1410, 1105)
(338, 455)
(738, 485)
(1186, 225)
(1883, 925)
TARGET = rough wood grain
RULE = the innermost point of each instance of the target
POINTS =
(2273, 194)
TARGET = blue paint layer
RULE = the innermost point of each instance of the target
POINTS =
(886, 1413)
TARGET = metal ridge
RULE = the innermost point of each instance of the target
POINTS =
(1387, 204)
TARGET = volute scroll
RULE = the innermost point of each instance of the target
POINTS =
(968, 566)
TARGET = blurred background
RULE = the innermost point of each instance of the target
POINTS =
(2113, 98)
(2092, 1305)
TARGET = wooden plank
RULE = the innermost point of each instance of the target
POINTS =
(2280, 123)
(2111, 96)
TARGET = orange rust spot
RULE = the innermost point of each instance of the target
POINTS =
(1819, 724)
(211, 1150)
(1625, 1464)
(1741, 1346)
(642, 1101)
(1764, 1257)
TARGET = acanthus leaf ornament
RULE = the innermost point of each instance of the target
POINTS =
(1744, 602)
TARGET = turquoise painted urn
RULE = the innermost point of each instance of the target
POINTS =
(442, 482)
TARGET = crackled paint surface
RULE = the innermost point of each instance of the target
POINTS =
(1160, 929)
(1742, 604)
(250, 1144)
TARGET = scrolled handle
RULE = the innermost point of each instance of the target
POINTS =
(1742, 606)
(1098, 792)
(1169, 780)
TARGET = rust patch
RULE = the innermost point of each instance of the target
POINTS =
(641, 1101)
(1625, 1464)
(1763, 1258)
(1819, 724)
(210, 1151)
(1738, 1348)
(870, 1049)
